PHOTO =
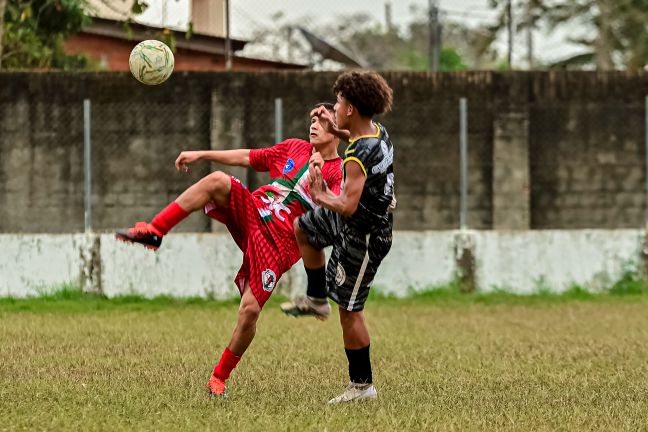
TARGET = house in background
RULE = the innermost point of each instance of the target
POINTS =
(107, 41)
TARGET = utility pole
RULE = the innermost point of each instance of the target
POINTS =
(602, 47)
(388, 15)
(435, 31)
(3, 5)
(529, 34)
(289, 43)
(228, 42)
(509, 25)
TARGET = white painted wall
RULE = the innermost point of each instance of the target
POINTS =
(35, 264)
(187, 265)
(190, 265)
(524, 262)
(417, 261)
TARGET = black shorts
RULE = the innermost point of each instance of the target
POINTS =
(355, 257)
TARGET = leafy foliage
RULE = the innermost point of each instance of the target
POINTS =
(613, 34)
(362, 37)
(34, 32)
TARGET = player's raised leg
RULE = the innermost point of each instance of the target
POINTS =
(242, 336)
(214, 187)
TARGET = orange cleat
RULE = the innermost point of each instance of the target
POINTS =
(142, 233)
(216, 388)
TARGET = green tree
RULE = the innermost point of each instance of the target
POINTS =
(615, 33)
(363, 38)
(633, 35)
(3, 7)
(34, 32)
(460, 42)
(527, 16)
(596, 17)
(390, 48)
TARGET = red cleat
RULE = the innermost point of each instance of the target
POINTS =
(142, 233)
(216, 387)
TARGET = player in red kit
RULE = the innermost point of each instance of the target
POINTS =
(260, 222)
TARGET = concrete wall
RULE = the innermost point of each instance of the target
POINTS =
(546, 150)
(136, 135)
(587, 149)
(31, 265)
(554, 260)
(204, 265)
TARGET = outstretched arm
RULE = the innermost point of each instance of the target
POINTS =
(239, 157)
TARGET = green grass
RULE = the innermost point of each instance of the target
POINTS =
(69, 298)
(442, 361)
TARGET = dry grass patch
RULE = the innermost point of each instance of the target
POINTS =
(438, 366)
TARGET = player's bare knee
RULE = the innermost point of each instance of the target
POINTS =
(217, 186)
(349, 318)
(217, 182)
(249, 311)
(214, 183)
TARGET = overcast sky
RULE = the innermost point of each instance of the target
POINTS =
(249, 15)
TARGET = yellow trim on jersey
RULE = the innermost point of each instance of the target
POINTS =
(377, 134)
(355, 159)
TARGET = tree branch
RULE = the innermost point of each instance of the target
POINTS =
(3, 7)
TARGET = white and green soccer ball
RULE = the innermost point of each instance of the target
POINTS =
(151, 62)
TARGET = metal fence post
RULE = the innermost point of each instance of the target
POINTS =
(646, 163)
(463, 152)
(644, 246)
(464, 240)
(87, 166)
(278, 120)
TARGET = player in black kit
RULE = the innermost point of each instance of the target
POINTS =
(358, 223)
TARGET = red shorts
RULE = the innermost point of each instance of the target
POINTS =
(263, 264)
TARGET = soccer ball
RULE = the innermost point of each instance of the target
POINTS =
(151, 62)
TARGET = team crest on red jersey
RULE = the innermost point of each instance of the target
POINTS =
(290, 164)
(268, 280)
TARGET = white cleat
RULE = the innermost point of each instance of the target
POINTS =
(355, 392)
(306, 306)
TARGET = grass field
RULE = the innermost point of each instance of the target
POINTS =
(441, 362)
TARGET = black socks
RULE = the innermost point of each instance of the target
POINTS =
(359, 365)
(316, 289)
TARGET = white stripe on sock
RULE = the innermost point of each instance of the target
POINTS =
(363, 267)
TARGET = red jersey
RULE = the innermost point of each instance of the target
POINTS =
(261, 222)
(286, 197)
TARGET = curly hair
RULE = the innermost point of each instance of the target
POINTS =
(365, 90)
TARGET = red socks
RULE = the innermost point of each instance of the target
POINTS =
(227, 363)
(171, 216)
